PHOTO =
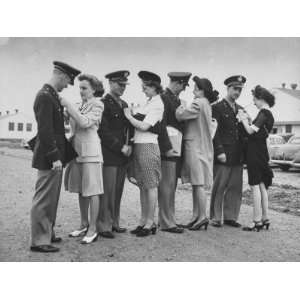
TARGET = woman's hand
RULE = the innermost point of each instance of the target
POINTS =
(64, 102)
(128, 112)
(242, 115)
(171, 153)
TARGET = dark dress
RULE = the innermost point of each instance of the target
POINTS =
(257, 157)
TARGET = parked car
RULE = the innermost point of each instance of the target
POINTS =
(273, 142)
(24, 144)
(287, 155)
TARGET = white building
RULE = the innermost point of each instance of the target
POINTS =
(16, 125)
(287, 110)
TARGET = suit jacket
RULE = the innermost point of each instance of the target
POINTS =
(86, 140)
(50, 143)
(114, 131)
(230, 135)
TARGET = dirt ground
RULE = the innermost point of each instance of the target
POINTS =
(280, 243)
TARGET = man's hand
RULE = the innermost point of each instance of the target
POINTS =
(171, 153)
(57, 165)
(126, 150)
(222, 158)
(129, 150)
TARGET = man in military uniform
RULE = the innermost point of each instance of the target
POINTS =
(169, 157)
(115, 133)
(226, 194)
(49, 156)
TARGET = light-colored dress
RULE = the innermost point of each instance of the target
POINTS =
(197, 167)
(84, 175)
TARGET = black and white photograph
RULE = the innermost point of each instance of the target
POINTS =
(141, 144)
(147, 148)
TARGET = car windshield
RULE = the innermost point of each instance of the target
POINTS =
(275, 140)
(295, 140)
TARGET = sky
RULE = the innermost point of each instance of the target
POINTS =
(26, 63)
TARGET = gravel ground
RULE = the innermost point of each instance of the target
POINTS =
(280, 243)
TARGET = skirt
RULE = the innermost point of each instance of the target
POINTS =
(258, 166)
(147, 165)
(84, 178)
(197, 167)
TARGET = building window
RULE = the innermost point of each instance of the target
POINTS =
(288, 128)
(11, 126)
(20, 126)
(29, 127)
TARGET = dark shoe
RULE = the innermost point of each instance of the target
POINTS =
(188, 225)
(266, 223)
(147, 231)
(119, 229)
(173, 230)
(55, 239)
(257, 226)
(107, 234)
(216, 223)
(198, 226)
(232, 223)
(44, 248)
(136, 230)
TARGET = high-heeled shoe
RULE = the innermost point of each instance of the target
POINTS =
(137, 229)
(188, 225)
(89, 239)
(266, 223)
(257, 226)
(147, 231)
(198, 226)
(79, 232)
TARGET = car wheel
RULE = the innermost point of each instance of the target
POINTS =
(284, 168)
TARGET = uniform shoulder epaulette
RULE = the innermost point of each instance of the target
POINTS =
(217, 102)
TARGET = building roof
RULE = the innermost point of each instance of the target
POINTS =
(287, 106)
(8, 115)
(293, 93)
(286, 109)
(15, 113)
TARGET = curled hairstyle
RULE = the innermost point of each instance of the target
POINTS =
(206, 86)
(261, 93)
(156, 85)
(95, 83)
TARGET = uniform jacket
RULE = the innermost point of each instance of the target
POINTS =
(86, 140)
(50, 143)
(230, 135)
(114, 131)
(171, 103)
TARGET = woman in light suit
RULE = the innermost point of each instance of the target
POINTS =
(197, 167)
(84, 174)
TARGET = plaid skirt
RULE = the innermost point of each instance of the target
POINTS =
(146, 165)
